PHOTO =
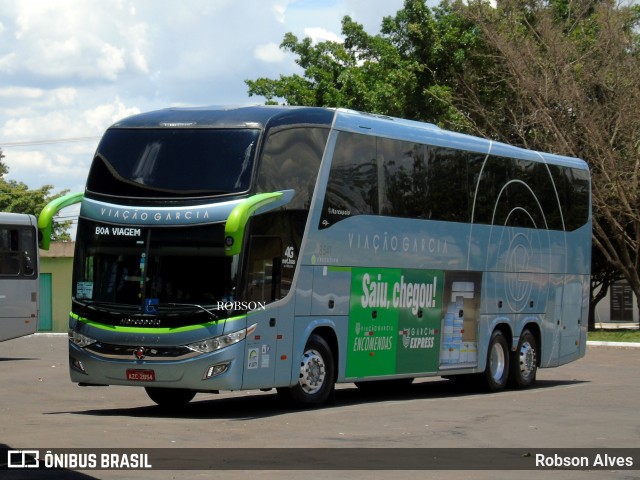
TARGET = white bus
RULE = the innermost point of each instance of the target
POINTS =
(19, 275)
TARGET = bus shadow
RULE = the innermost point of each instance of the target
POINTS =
(253, 405)
(16, 359)
(435, 390)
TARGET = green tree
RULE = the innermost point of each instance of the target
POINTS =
(561, 76)
(404, 71)
(16, 197)
(572, 71)
(3, 168)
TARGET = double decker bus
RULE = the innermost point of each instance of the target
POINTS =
(293, 248)
(19, 280)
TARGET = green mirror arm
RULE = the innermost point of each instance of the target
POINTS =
(45, 220)
(238, 218)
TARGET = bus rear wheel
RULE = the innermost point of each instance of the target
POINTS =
(170, 397)
(524, 361)
(316, 380)
(496, 372)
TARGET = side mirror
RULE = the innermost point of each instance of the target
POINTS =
(45, 220)
(239, 216)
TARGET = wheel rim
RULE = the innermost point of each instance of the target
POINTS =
(497, 363)
(312, 372)
(527, 360)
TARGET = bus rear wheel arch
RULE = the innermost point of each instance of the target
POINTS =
(317, 375)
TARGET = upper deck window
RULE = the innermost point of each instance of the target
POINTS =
(379, 176)
(160, 162)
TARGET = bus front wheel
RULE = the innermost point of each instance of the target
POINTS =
(496, 372)
(170, 397)
(316, 381)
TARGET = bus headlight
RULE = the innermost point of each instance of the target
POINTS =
(80, 340)
(212, 344)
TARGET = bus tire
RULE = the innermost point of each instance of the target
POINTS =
(496, 372)
(316, 380)
(524, 361)
(170, 397)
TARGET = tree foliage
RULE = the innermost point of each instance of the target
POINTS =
(561, 76)
(16, 197)
(572, 69)
(404, 71)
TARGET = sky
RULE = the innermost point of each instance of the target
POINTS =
(71, 68)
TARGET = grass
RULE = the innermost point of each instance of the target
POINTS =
(619, 335)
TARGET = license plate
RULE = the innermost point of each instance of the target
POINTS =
(138, 375)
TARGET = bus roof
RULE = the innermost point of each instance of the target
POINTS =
(428, 133)
(250, 116)
(7, 218)
(269, 116)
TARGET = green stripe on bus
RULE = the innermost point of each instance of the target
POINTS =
(122, 329)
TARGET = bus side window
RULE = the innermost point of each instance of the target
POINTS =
(9, 263)
(264, 269)
(28, 252)
(290, 161)
(27, 264)
(352, 188)
(404, 179)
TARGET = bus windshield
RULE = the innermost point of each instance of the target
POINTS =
(134, 269)
(173, 162)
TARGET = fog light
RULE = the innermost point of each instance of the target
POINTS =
(215, 370)
(77, 365)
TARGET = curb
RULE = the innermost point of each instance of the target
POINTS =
(612, 344)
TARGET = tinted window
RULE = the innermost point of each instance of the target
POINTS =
(18, 256)
(173, 162)
(421, 181)
(448, 185)
(404, 179)
(152, 270)
(489, 178)
(517, 193)
(353, 181)
(291, 160)
(573, 189)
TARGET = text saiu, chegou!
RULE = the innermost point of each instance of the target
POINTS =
(375, 293)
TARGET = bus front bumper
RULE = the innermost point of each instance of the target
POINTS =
(215, 371)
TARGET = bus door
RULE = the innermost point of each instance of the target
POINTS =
(262, 287)
(571, 321)
(268, 354)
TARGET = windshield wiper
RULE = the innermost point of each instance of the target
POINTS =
(214, 316)
(108, 307)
